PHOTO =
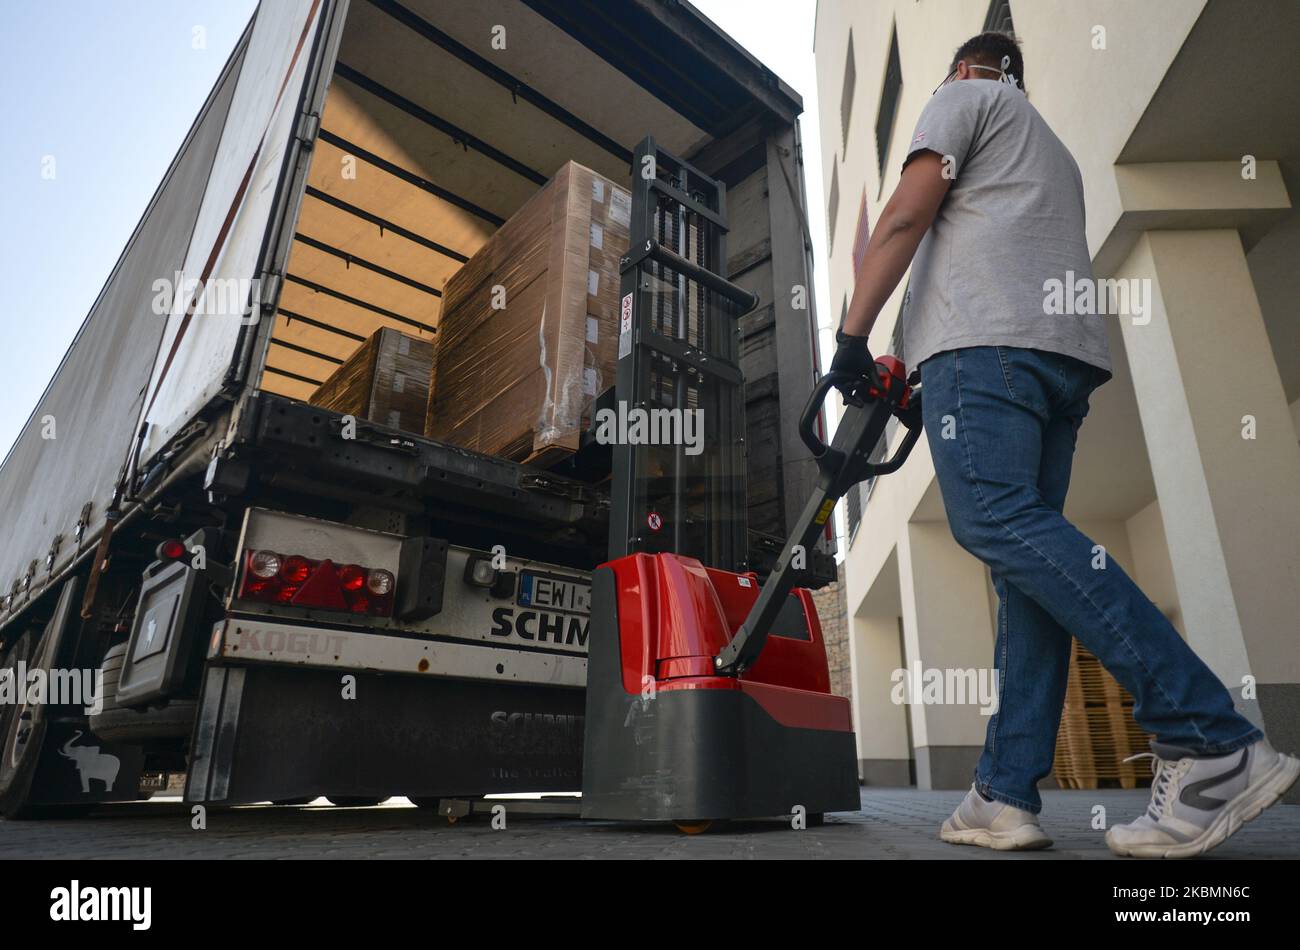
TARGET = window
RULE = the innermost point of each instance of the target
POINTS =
(863, 488)
(889, 97)
(861, 236)
(846, 94)
(861, 492)
(833, 206)
(853, 511)
(896, 336)
(998, 19)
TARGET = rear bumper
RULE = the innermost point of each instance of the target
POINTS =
(289, 710)
(253, 640)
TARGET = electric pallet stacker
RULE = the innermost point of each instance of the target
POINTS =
(708, 697)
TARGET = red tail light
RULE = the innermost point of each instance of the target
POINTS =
(320, 585)
(173, 549)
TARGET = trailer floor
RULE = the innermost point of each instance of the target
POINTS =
(893, 824)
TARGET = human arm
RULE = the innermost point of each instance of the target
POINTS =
(907, 215)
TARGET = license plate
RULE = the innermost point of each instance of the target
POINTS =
(546, 592)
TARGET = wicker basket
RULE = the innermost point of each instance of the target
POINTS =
(1097, 730)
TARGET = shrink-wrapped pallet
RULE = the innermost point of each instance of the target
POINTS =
(529, 327)
(385, 381)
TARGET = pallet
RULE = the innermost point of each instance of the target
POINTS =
(1097, 730)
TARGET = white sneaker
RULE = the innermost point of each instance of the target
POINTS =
(993, 824)
(1196, 804)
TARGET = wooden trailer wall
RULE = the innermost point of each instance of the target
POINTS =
(432, 134)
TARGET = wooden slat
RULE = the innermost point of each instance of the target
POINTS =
(1097, 729)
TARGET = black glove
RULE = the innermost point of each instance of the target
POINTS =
(852, 361)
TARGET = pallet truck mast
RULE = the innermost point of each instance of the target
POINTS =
(708, 697)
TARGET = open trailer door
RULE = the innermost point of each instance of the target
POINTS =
(253, 190)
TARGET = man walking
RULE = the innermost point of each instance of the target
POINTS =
(990, 207)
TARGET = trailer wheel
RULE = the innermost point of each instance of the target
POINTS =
(22, 730)
(354, 801)
(114, 723)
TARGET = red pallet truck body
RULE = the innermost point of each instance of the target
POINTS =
(708, 696)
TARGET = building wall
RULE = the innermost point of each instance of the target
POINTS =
(1205, 518)
(832, 610)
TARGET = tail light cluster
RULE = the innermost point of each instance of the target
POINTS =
(298, 581)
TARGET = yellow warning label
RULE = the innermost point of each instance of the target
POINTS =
(825, 512)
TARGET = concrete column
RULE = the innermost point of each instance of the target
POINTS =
(884, 755)
(1204, 375)
(945, 627)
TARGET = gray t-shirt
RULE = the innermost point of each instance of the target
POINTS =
(1013, 221)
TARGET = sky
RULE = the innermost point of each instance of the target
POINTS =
(780, 34)
(100, 96)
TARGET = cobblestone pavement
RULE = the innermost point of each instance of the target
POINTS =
(893, 823)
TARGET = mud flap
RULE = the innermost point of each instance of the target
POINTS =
(72, 766)
(76, 768)
(274, 732)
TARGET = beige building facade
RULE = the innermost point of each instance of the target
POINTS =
(1184, 117)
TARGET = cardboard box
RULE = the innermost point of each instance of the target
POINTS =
(528, 335)
(385, 381)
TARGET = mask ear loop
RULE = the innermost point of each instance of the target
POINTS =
(1007, 77)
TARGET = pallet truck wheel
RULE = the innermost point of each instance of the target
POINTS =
(693, 827)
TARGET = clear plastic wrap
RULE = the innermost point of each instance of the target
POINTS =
(385, 381)
(528, 333)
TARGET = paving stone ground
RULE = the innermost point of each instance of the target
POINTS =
(892, 824)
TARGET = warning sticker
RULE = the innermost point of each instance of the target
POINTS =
(825, 511)
(625, 326)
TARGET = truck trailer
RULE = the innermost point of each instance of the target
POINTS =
(284, 602)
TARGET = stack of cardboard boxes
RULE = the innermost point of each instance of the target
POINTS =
(528, 333)
(385, 381)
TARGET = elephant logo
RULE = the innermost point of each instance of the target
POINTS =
(91, 763)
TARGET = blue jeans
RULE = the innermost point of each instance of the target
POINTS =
(1001, 424)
